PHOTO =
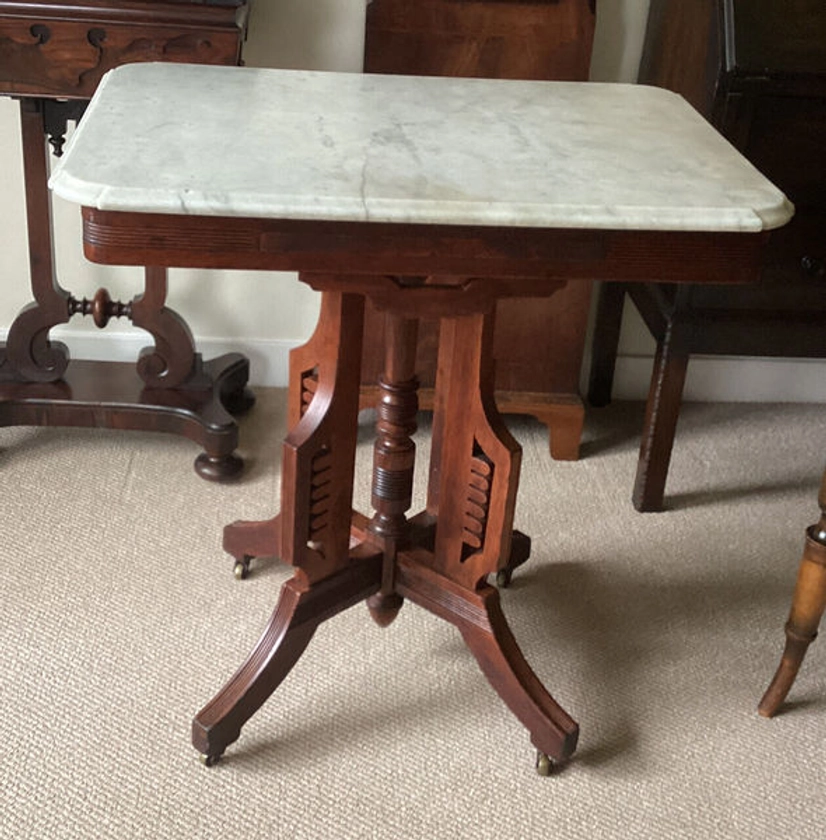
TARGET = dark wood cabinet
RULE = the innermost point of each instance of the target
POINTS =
(539, 343)
(757, 70)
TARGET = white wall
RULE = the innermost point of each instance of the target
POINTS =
(263, 315)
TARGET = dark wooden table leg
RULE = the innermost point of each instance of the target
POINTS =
(302, 606)
(474, 476)
(169, 390)
(313, 530)
(309, 364)
(479, 618)
(808, 606)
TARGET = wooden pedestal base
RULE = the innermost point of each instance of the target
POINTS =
(303, 606)
(440, 559)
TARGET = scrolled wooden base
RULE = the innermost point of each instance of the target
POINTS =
(170, 389)
(302, 607)
(96, 394)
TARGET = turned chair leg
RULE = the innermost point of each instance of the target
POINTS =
(808, 605)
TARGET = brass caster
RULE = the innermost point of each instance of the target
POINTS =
(210, 760)
(241, 569)
(545, 765)
(504, 577)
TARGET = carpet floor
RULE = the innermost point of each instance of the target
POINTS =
(657, 632)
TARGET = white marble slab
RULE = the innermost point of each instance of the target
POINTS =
(228, 141)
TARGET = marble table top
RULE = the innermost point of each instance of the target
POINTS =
(229, 141)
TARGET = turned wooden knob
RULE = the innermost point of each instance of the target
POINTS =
(101, 308)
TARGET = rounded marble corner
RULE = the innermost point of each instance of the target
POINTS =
(74, 190)
(656, 91)
(777, 215)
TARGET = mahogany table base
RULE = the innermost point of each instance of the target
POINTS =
(438, 559)
(94, 394)
(808, 606)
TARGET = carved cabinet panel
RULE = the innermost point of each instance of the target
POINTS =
(63, 48)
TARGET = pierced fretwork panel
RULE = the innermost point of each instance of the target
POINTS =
(309, 386)
(320, 486)
(478, 502)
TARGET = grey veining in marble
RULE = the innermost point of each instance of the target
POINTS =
(230, 141)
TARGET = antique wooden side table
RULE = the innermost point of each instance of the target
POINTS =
(432, 197)
(52, 56)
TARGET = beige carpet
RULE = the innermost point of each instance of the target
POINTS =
(657, 632)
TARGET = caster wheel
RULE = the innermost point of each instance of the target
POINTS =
(242, 569)
(210, 760)
(545, 765)
(504, 577)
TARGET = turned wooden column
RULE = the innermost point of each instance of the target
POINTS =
(394, 456)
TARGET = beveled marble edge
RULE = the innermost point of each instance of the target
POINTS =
(617, 217)
(758, 207)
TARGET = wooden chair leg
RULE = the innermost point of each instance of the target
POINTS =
(607, 325)
(808, 606)
(661, 414)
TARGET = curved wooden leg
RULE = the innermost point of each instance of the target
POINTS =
(300, 609)
(219, 723)
(479, 618)
(661, 414)
(808, 606)
(553, 731)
